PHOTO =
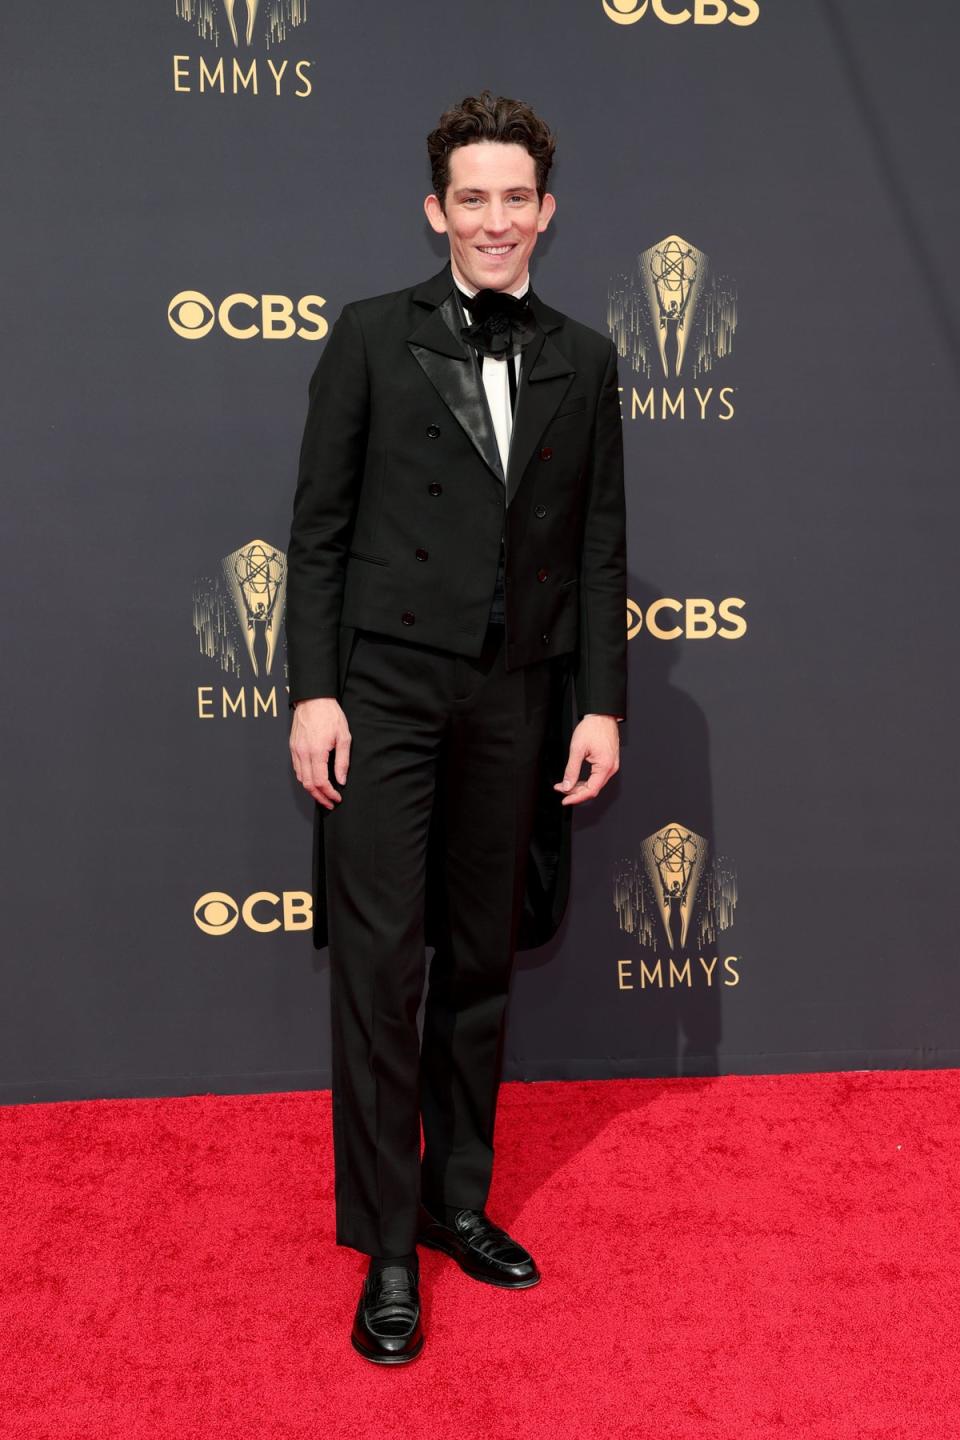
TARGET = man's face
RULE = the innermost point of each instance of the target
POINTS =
(492, 215)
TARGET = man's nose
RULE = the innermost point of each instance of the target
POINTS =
(496, 219)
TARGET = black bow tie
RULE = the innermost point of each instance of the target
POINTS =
(501, 322)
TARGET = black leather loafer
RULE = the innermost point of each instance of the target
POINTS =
(480, 1248)
(387, 1327)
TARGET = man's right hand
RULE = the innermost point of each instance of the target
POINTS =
(320, 726)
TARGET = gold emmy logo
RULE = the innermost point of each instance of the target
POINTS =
(256, 575)
(277, 18)
(674, 858)
(238, 613)
(674, 310)
(674, 316)
(701, 12)
(677, 895)
(238, 25)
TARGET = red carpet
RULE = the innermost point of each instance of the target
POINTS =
(730, 1259)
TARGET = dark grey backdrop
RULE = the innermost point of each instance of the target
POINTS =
(809, 156)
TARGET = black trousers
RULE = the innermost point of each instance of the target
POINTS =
(428, 728)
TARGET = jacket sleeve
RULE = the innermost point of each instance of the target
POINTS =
(600, 672)
(329, 477)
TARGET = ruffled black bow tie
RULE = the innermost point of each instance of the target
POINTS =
(501, 322)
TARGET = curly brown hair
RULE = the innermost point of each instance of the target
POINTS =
(489, 117)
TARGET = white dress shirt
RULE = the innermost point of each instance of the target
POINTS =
(496, 381)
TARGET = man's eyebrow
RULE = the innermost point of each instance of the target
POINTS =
(479, 190)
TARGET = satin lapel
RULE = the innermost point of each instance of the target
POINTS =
(545, 378)
(446, 361)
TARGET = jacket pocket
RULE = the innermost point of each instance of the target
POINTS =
(374, 559)
(577, 402)
(565, 583)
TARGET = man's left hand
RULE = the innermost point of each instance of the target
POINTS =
(596, 740)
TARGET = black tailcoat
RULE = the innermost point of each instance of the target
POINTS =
(400, 505)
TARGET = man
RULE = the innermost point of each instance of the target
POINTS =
(456, 564)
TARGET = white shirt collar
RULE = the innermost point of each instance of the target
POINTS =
(471, 290)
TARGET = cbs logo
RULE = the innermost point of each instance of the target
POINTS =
(192, 316)
(701, 12)
(667, 619)
(217, 913)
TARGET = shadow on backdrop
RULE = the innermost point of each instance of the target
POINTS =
(654, 898)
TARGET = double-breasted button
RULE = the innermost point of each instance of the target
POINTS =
(545, 638)
(546, 453)
(408, 617)
(435, 488)
(422, 554)
(540, 511)
(433, 431)
(541, 573)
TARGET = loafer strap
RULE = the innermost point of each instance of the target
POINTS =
(487, 1238)
(391, 1295)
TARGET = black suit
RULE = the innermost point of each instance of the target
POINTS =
(394, 550)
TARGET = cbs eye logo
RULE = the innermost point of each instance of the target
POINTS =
(701, 12)
(216, 913)
(191, 315)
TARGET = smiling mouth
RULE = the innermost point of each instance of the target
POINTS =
(496, 250)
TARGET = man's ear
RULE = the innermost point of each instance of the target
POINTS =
(435, 215)
(547, 207)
